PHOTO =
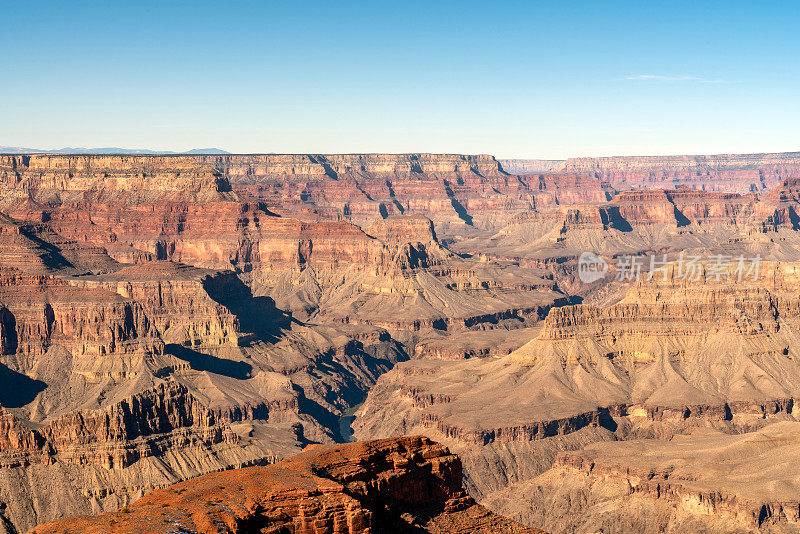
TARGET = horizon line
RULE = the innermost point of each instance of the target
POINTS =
(80, 151)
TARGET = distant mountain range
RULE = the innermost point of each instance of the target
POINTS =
(111, 150)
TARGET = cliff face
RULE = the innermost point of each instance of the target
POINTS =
(133, 377)
(673, 355)
(679, 207)
(646, 223)
(222, 212)
(459, 193)
(166, 317)
(740, 173)
(117, 435)
(397, 485)
(456, 192)
(361, 187)
(40, 311)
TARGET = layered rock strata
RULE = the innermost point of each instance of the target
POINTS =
(740, 173)
(119, 382)
(397, 485)
(673, 355)
(708, 482)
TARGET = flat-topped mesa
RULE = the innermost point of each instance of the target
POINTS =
(404, 229)
(391, 485)
(679, 207)
(289, 242)
(703, 207)
(645, 207)
(679, 297)
(178, 303)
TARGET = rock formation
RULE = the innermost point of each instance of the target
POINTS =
(709, 482)
(166, 317)
(673, 355)
(396, 485)
(738, 173)
(158, 320)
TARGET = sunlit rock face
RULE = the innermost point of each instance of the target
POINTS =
(166, 317)
(674, 356)
(394, 485)
(736, 173)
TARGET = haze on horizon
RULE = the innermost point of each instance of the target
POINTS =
(535, 80)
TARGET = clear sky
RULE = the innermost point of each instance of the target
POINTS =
(516, 79)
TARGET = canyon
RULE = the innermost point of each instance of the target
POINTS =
(184, 334)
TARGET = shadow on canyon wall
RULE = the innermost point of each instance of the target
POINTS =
(16, 389)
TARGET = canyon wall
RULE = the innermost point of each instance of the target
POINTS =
(673, 356)
(162, 317)
(740, 173)
(396, 485)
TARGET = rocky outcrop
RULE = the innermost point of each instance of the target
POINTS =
(42, 310)
(676, 208)
(404, 229)
(117, 435)
(395, 485)
(186, 305)
(780, 208)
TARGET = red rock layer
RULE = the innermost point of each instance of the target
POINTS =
(41, 310)
(392, 485)
(678, 207)
(112, 198)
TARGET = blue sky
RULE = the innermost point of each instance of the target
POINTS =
(514, 79)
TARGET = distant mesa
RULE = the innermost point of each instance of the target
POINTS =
(107, 150)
